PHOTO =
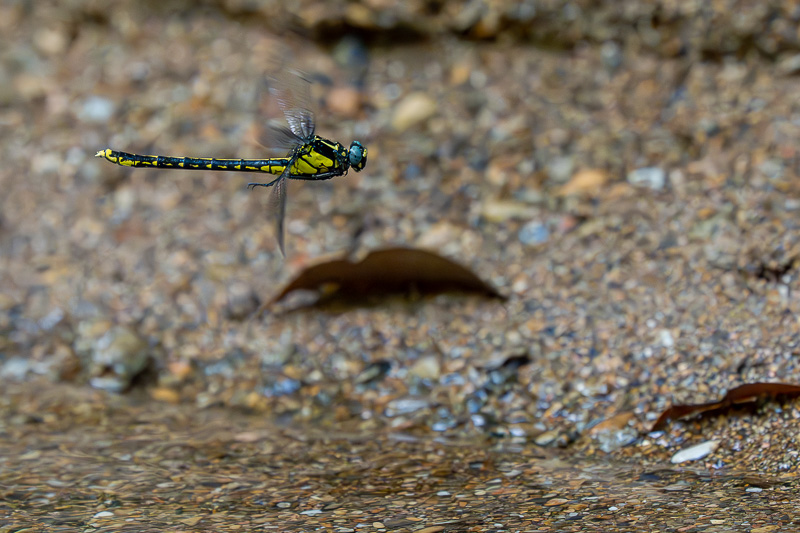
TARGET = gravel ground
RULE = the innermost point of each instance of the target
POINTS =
(626, 177)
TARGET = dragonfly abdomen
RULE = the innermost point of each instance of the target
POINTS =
(268, 166)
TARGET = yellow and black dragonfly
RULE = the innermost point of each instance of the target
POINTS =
(310, 156)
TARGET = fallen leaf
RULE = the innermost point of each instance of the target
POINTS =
(740, 395)
(389, 271)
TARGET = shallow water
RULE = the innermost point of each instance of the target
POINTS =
(74, 459)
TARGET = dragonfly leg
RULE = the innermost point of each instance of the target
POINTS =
(270, 184)
(318, 177)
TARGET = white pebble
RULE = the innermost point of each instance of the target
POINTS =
(693, 453)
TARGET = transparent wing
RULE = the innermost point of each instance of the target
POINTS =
(277, 205)
(279, 137)
(292, 90)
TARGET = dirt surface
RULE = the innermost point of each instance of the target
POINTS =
(627, 178)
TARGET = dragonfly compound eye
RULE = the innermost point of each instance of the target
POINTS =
(357, 156)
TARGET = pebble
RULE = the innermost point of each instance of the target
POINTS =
(614, 439)
(242, 300)
(96, 109)
(611, 55)
(585, 181)
(693, 453)
(404, 406)
(789, 65)
(546, 438)
(413, 110)
(651, 177)
(427, 367)
(344, 101)
(771, 168)
(118, 357)
(502, 210)
(534, 233)
(559, 169)
(15, 368)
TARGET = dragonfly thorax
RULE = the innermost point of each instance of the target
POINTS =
(319, 156)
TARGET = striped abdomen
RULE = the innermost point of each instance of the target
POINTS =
(268, 166)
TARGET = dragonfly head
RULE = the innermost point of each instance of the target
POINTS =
(357, 156)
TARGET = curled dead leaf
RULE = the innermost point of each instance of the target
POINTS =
(389, 271)
(740, 395)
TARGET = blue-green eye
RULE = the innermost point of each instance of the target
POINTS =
(357, 156)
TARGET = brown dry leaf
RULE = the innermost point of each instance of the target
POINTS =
(389, 271)
(743, 394)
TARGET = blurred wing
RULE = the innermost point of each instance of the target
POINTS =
(279, 137)
(277, 205)
(292, 90)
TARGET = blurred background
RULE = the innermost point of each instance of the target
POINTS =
(626, 175)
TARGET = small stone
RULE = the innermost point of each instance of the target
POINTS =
(502, 210)
(118, 357)
(96, 109)
(614, 433)
(373, 372)
(585, 181)
(693, 453)
(611, 55)
(50, 41)
(344, 101)
(16, 368)
(413, 110)
(439, 235)
(771, 169)
(546, 438)
(534, 233)
(789, 65)
(242, 300)
(404, 406)
(559, 169)
(651, 177)
(165, 394)
(427, 367)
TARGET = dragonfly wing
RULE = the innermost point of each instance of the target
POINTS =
(279, 137)
(277, 205)
(292, 90)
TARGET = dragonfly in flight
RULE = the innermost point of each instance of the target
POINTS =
(310, 157)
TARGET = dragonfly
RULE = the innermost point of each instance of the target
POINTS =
(310, 157)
